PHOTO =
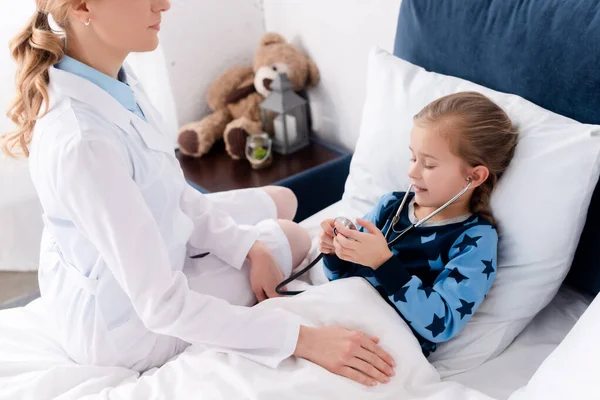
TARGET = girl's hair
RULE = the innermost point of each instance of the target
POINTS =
(485, 136)
(35, 49)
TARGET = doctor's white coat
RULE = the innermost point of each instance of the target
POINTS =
(120, 222)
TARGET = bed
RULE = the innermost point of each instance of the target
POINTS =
(33, 366)
(540, 61)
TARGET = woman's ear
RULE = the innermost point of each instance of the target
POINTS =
(478, 175)
(80, 10)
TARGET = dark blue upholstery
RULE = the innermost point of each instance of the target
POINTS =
(319, 187)
(547, 51)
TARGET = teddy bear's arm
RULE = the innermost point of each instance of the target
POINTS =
(313, 76)
(224, 84)
(253, 107)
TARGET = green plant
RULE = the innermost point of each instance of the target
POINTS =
(259, 153)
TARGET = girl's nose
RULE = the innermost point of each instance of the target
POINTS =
(413, 172)
(161, 6)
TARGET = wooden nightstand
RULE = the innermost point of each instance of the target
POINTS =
(316, 174)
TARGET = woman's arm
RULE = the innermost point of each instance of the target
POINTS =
(215, 231)
(106, 205)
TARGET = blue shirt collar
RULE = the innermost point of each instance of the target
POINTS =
(119, 89)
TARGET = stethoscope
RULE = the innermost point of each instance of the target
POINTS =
(391, 228)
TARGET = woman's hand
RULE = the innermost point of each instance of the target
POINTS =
(265, 274)
(326, 237)
(365, 248)
(351, 354)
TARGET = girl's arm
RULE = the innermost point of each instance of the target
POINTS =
(336, 268)
(106, 205)
(440, 311)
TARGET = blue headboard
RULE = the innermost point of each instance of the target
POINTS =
(547, 51)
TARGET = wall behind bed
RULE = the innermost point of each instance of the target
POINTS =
(338, 36)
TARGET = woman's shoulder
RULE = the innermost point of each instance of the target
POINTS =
(65, 129)
(69, 123)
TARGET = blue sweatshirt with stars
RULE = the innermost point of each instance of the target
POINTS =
(438, 275)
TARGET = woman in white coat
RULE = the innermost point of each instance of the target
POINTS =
(135, 264)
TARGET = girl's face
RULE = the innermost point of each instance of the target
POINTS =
(132, 25)
(436, 173)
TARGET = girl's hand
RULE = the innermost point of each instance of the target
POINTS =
(265, 274)
(326, 237)
(365, 248)
(351, 354)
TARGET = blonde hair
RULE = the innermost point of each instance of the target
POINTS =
(485, 135)
(35, 49)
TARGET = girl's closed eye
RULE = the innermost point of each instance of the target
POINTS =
(425, 165)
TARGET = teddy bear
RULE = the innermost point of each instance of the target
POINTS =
(235, 96)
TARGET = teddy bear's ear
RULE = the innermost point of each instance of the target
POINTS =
(314, 76)
(272, 38)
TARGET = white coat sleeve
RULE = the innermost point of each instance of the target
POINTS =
(215, 231)
(95, 186)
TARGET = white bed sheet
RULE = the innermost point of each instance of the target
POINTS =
(33, 366)
(501, 376)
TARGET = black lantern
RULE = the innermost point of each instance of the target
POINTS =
(284, 115)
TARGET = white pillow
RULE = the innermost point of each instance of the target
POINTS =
(571, 370)
(540, 203)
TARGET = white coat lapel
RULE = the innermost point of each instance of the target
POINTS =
(151, 136)
(66, 84)
(152, 131)
(73, 86)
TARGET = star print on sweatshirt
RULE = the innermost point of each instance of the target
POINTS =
(438, 275)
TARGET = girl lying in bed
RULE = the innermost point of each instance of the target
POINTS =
(440, 272)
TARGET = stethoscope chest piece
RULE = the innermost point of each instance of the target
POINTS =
(345, 222)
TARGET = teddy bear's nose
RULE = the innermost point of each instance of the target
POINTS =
(267, 83)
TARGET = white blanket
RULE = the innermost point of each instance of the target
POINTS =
(39, 369)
